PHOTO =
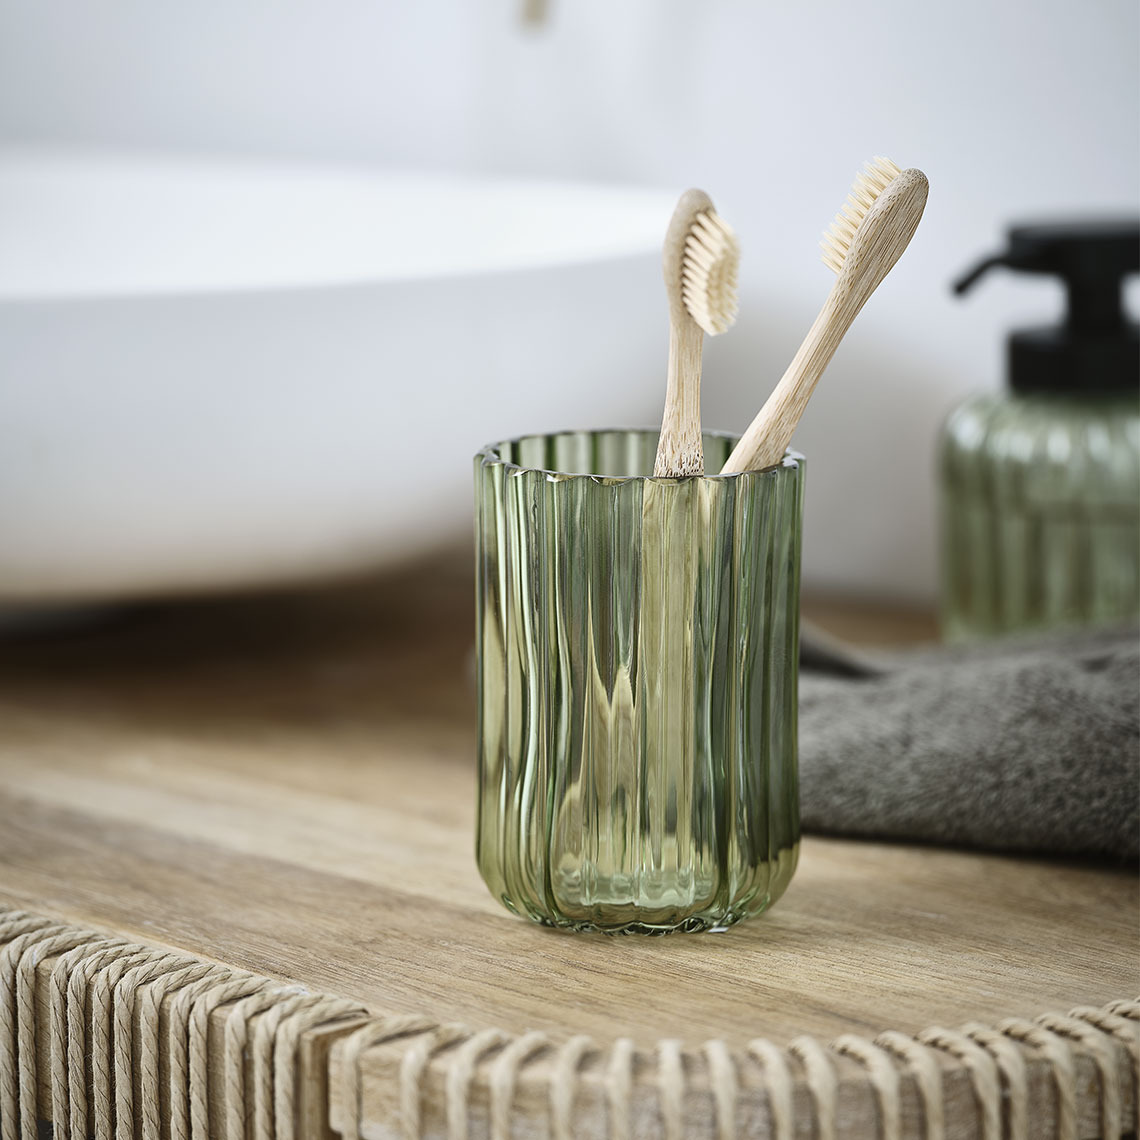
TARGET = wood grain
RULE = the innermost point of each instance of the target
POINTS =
(286, 784)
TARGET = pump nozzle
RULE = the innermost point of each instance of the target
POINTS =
(966, 281)
(1095, 346)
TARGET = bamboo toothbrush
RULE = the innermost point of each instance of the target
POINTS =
(700, 261)
(868, 236)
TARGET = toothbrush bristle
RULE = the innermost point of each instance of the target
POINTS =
(708, 273)
(870, 182)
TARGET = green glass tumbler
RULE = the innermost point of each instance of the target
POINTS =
(638, 650)
(1040, 513)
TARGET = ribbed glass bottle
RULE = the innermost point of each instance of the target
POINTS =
(638, 655)
(1040, 513)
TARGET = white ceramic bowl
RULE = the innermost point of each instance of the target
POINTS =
(217, 375)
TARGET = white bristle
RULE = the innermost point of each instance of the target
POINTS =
(708, 273)
(870, 182)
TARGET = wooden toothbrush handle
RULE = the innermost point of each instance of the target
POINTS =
(680, 450)
(767, 438)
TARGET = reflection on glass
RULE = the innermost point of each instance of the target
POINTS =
(638, 651)
(1041, 513)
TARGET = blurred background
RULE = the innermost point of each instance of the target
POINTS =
(184, 405)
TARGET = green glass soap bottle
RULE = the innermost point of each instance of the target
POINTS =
(1041, 484)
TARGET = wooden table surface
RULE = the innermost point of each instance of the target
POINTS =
(286, 784)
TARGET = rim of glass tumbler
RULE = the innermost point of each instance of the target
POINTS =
(490, 457)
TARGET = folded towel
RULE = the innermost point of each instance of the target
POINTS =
(1023, 745)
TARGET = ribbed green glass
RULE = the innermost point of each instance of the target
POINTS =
(1040, 513)
(638, 655)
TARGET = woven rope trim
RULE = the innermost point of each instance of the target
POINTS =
(107, 996)
(996, 1060)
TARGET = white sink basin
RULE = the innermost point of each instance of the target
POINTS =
(216, 375)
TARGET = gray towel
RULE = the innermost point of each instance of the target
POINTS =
(1026, 745)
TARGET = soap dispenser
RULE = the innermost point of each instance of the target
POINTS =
(1041, 484)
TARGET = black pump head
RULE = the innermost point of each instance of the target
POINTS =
(1096, 347)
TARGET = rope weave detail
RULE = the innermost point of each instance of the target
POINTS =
(1010, 1061)
(149, 1044)
(781, 1105)
(564, 1084)
(822, 1083)
(502, 1078)
(81, 1082)
(722, 1078)
(26, 1022)
(619, 1091)
(96, 1030)
(13, 924)
(327, 1011)
(261, 1054)
(1103, 1053)
(1125, 1031)
(1060, 1059)
(61, 973)
(211, 986)
(671, 1088)
(105, 998)
(884, 1078)
(122, 1002)
(234, 1038)
(983, 1074)
(412, 1069)
(9, 1020)
(198, 1044)
(459, 1074)
(923, 1066)
(367, 1036)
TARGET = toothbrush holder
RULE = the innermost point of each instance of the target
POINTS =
(638, 651)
